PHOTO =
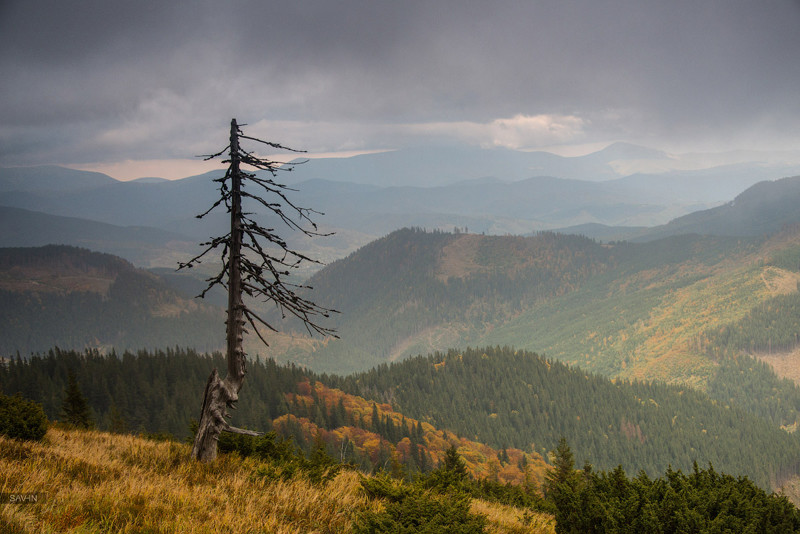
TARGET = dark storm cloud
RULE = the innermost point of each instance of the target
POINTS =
(146, 79)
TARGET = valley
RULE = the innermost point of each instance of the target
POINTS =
(664, 351)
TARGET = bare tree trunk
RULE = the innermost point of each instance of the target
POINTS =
(259, 273)
(223, 394)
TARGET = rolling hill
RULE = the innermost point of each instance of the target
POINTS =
(142, 245)
(47, 178)
(70, 297)
(413, 292)
(687, 310)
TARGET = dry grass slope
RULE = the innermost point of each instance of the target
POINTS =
(100, 482)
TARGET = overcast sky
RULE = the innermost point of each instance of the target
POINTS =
(109, 83)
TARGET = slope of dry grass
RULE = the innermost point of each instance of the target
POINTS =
(100, 482)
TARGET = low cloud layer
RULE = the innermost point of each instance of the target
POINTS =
(112, 80)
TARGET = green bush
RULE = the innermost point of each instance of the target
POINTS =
(436, 503)
(22, 418)
(285, 460)
(422, 511)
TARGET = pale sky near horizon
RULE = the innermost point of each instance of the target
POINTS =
(140, 87)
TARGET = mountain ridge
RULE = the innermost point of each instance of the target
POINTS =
(69, 297)
(484, 200)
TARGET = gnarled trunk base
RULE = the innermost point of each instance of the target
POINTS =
(219, 396)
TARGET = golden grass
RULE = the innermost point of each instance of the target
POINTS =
(510, 520)
(100, 482)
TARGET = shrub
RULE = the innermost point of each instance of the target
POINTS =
(22, 418)
(421, 511)
(285, 461)
(418, 508)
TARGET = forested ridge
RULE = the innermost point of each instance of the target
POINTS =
(157, 393)
(410, 282)
(684, 309)
(74, 298)
(414, 292)
(515, 398)
(516, 402)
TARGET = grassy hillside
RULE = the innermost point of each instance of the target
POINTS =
(98, 482)
(671, 320)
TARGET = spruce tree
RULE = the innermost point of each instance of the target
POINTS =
(116, 423)
(454, 463)
(562, 489)
(75, 407)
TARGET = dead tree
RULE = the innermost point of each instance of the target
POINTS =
(256, 262)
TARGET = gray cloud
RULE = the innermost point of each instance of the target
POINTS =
(152, 79)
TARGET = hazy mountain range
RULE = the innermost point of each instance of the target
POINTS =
(482, 191)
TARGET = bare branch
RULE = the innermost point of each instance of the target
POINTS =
(273, 145)
(256, 262)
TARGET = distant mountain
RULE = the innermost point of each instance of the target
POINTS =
(142, 245)
(49, 178)
(622, 163)
(150, 180)
(484, 206)
(74, 298)
(764, 208)
(166, 205)
(431, 166)
(714, 185)
(495, 192)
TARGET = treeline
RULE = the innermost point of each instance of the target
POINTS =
(514, 398)
(497, 396)
(154, 392)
